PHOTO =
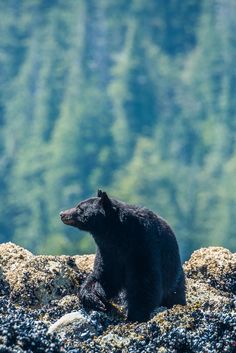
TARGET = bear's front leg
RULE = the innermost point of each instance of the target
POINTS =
(92, 294)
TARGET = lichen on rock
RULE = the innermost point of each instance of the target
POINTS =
(42, 279)
(36, 291)
(214, 265)
(11, 255)
(37, 280)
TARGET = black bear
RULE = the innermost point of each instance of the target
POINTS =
(136, 252)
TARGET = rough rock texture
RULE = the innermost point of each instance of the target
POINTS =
(11, 255)
(4, 288)
(36, 291)
(214, 265)
(36, 280)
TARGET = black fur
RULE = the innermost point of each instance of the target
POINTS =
(136, 251)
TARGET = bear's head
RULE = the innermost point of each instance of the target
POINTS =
(90, 215)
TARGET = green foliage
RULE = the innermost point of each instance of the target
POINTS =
(136, 97)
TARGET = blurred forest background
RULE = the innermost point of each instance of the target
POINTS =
(136, 97)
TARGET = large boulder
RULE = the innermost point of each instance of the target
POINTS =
(38, 293)
(215, 266)
(11, 255)
(38, 280)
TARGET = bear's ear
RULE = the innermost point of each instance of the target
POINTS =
(105, 201)
(99, 193)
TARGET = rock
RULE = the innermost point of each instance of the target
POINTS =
(21, 331)
(215, 266)
(84, 263)
(113, 339)
(4, 287)
(69, 302)
(42, 279)
(37, 280)
(67, 320)
(78, 323)
(12, 255)
(38, 293)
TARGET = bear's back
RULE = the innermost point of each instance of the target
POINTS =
(153, 237)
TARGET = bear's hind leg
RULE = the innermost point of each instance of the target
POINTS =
(177, 296)
(143, 297)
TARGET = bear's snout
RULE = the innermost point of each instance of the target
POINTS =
(64, 215)
(67, 216)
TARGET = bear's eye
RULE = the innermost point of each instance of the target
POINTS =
(79, 208)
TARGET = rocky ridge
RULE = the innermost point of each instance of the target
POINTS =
(36, 291)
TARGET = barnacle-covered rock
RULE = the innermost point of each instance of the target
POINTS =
(37, 280)
(215, 266)
(4, 287)
(42, 279)
(38, 292)
(11, 255)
